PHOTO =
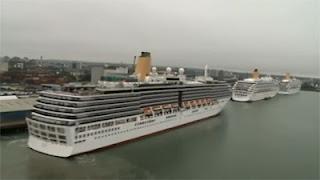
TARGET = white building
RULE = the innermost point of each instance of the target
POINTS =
(4, 66)
(96, 74)
(112, 69)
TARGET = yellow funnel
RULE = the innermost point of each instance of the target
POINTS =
(143, 66)
(255, 74)
(287, 76)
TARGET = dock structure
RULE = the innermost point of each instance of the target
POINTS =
(14, 111)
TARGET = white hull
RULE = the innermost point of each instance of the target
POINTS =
(125, 132)
(290, 91)
(254, 96)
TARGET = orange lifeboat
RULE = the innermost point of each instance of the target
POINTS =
(194, 103)
(175, 105)
(147, 110)
(167, 106)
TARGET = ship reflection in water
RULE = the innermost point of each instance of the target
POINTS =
(276, 138)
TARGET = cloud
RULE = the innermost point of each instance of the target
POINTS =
(274, 35)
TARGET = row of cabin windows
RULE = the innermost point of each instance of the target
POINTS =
(72, 104)
(58, 103)
(137, 124)
(94, 98)
(81, 141)
(52, 108)
(48, 137)
(43, 133)
(145, 122)
(96, 132)
(191, 104)
(105, 124)
(60, 97)
(89, 114)
(119, 132)
(35, 117)
(55, 114)
(168, 111)
(87, 109)
(171, 116)
(241, 94)
(265, 84)
(46, 127)
(160, 113)
(114, 133)
(264, 90)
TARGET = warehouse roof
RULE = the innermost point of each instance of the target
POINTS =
(17, 104)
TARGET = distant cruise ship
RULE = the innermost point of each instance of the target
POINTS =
(255, 88)
(73, 121)
(289, 85)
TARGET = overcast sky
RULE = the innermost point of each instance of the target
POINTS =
(273, 35)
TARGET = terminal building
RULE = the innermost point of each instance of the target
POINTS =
(13, 111)
(109, 73)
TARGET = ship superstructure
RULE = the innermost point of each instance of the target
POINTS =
(65, 123)
(255, 88)
(289, 85)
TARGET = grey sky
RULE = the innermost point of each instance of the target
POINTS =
(273, 35)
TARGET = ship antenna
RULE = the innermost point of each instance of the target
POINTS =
(134, 64)
(206, 71)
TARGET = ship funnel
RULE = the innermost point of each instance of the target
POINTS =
(168, 70)
(255, 74)
(143, 66)
(287, 76)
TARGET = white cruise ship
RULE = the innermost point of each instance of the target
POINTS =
(255, 88)
(289, 85)
(73, 121)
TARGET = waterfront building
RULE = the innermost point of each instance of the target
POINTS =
(96, 74)
(4, 66)
(14, 110)
(115, 72)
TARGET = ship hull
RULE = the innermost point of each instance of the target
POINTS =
(254, 96)
(289, 91)
(127, 132)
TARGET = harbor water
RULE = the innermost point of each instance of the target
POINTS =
(269, 139)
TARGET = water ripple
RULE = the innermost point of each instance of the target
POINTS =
(18, 142)
(86, 159)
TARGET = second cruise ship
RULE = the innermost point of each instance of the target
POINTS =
(289, 85)
(81, 119)
(255, 88)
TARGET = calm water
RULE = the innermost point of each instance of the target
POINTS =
(276, 138)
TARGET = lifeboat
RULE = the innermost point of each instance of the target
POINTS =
(194, 103)
(157, 108)
(147, 110)
(186, 104)
(174, 105)
(199, 102)
(167, 106)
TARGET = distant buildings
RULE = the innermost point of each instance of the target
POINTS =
(115, 69)
(226, 76)
(29, 72)
(115, 72)
(96, 74)
(77, 65)
(4, 67)
(109, 72)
